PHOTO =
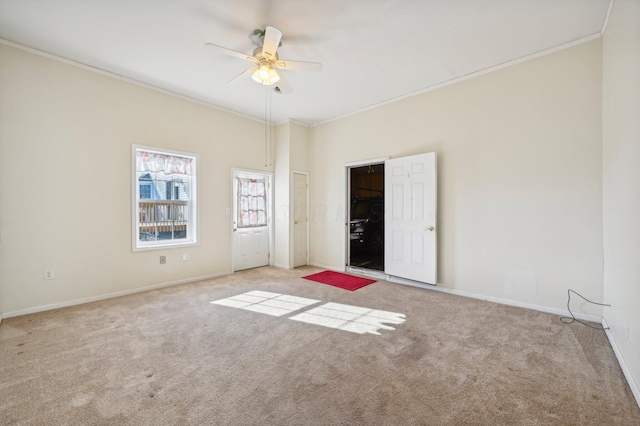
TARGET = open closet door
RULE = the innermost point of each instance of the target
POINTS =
(410, 217)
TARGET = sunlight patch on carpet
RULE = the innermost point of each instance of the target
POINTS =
(265, 302)
(350, 318)
(355, 319)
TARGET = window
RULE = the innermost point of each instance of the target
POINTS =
(164, 208)
(252, 203)
(145, 189)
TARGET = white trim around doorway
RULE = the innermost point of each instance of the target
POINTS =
(347, 195)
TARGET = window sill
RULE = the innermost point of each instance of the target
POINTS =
(164, 246)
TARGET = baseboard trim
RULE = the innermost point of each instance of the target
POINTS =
(623, 365)
(280, 266)
(584, 317)
(110, 295)
(0, 318)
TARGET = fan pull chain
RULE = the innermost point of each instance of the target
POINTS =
(266, 134)
(270, 125)
(267, 127)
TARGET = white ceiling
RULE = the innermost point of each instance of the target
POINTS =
(373, 51)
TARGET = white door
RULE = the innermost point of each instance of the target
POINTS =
(410, 217)
(251, 220)
(300, 219)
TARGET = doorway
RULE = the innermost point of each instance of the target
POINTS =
(251, 219)
(366, 216)
(300, 219)
(406, 213)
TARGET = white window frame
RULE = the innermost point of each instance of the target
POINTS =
(192, 227)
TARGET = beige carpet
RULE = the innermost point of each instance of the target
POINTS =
(169, 357)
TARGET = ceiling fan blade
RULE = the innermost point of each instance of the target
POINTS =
(234, 81)
(271, 42)
(282, 87)
(233, 53)
(299, 65)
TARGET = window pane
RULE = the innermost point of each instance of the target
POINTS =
(145, 191)
(252, 203)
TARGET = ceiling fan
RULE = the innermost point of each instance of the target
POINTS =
(266, 61)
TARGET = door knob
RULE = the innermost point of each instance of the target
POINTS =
(295, 222)
(431, 228)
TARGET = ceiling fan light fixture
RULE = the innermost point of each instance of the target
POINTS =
(267, 65)
(265, 75)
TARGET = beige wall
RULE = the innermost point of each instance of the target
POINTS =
(282, 171)
(621, 169)
(520, 177)
(290, 155)
(65, 198)
(299, 147)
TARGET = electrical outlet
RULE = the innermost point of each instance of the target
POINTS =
(48, 274)
(163, 260)
(186, 256)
